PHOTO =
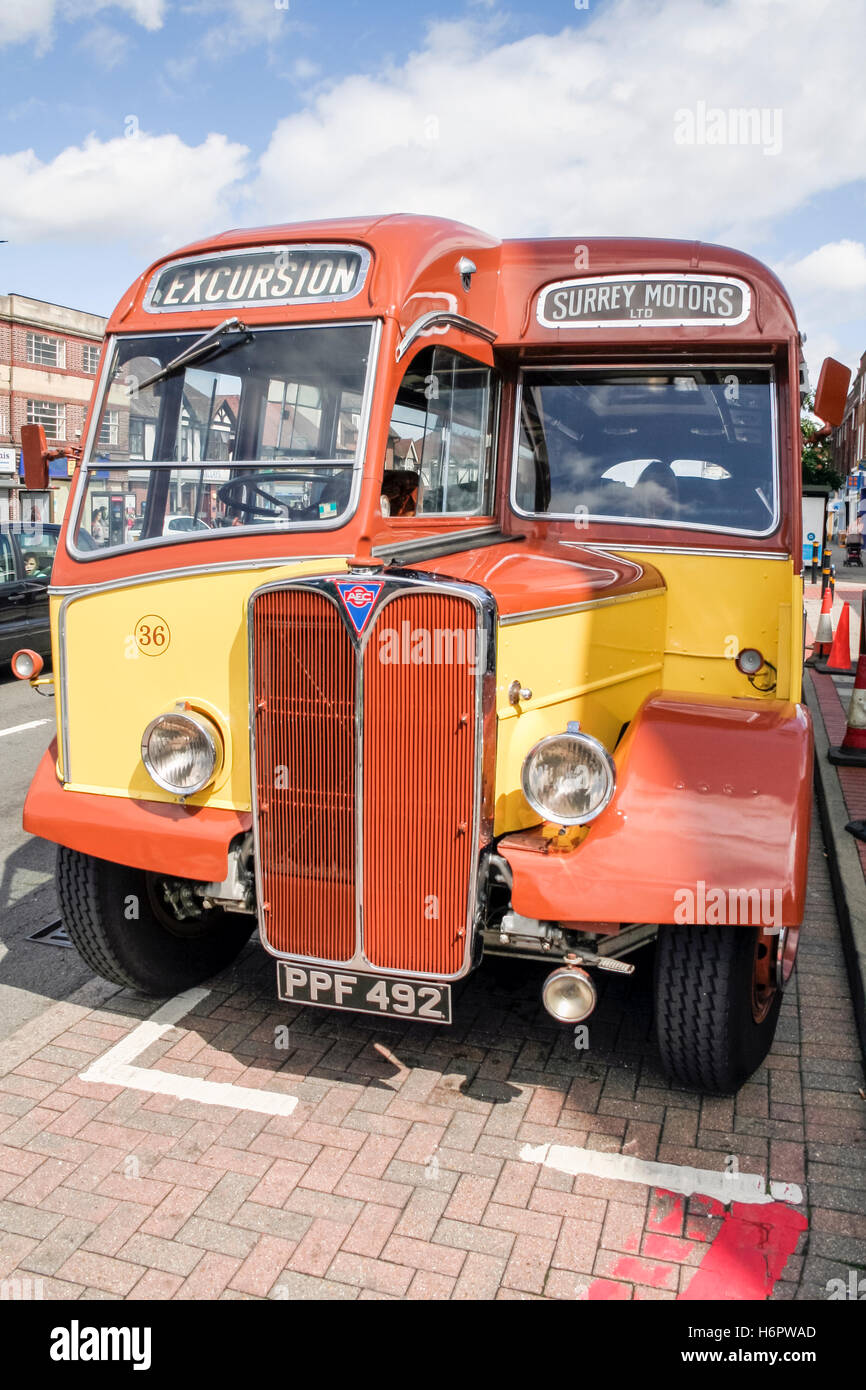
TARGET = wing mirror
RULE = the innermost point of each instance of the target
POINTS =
(34, 454)
(832, 393)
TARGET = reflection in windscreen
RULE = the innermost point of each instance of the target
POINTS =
(685, 447)
(262, 429)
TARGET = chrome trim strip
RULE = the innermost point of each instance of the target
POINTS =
(653, 523)
(79, 590)
(422, 542)
(532, 615)
(291, 529)
(604, 549)
(485, 751)
(446, 316)
(247, 250)
(62, 686)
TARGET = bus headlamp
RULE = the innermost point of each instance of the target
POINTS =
(568, 778)
(182, 751)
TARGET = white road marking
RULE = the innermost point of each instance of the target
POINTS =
(115, 1067)
(726, 1187)
(19, 728)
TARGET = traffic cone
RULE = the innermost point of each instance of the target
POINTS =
(824, 635)
(839, 660)
(852, 750)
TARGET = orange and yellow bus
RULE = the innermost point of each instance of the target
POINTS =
(437, 596)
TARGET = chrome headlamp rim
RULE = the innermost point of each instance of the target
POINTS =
(205, 727)
(588, 741)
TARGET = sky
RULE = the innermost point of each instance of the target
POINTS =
(130, 127)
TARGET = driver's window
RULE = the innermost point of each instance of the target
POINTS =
(37, 553)
(439, 459)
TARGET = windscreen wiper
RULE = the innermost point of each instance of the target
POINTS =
(195, 350)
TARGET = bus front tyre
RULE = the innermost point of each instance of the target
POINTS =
(718, 991)
(122, 926)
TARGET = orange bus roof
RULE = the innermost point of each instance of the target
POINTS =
(413, 270)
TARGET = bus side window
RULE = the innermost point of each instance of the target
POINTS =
(439, 460)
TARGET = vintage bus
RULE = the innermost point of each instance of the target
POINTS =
(424, 595)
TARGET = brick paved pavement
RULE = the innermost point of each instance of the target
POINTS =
(400, 1172)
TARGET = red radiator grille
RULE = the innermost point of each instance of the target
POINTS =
(304, 693)
(419, 783)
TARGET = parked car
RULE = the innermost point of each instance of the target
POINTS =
(26, 560)
(181, 522)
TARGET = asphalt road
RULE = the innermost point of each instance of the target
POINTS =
(32, 975)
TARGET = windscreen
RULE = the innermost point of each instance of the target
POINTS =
(687, 447)
(259, 427)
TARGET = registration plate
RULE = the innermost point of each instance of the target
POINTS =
(364, 994)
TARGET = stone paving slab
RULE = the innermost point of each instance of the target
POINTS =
(421, 1162)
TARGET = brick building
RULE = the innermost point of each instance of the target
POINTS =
(849, 438)
(849, 452)
(49, 357)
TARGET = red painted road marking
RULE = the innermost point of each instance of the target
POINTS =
(749, 1253)
(666, 1213)
(742, 1262)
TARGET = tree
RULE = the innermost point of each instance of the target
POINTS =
(817, 453)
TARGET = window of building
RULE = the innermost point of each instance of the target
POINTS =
(51, 415)
(108, 429)
(136, 437)
(89, 358)
(43, 351)
(440, 445)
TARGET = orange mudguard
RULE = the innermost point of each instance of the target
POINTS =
(712, 794)
(165, 837)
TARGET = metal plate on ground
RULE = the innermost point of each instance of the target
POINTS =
(52, 935)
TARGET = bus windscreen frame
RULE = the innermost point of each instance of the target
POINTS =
(91, 465)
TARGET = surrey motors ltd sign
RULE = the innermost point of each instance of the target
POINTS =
(626, 301)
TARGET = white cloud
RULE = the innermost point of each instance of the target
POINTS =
(575, 132)
(23, 20)
(829, 289)
(839, 267)
(242, 24)
(150, 190)
(19, 22)
(105, 46)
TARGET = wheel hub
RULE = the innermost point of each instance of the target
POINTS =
(775, 954)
